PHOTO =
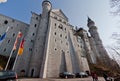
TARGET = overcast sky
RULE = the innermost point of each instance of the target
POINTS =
(76, 10)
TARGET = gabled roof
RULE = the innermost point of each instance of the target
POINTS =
(60, 13)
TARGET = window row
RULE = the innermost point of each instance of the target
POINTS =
(60, 35)
(5, 49)
(12, 35)
(60, 26)
(6, 21)
(61, 50)
(59, 19)
(61, 42)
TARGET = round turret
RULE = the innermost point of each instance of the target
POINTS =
(46, 5)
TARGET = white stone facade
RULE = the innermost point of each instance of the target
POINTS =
(51, 46)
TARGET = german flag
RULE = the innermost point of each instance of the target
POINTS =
(21, 48)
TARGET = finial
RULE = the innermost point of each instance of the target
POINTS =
(90, 22)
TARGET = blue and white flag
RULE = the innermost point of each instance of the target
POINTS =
(4, 35)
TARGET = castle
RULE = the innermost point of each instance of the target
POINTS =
(52, 45)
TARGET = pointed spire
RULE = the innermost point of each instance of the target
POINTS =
(90, 22)
(89, 19)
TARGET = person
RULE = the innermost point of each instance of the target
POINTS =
(94, 76)
(105, 76)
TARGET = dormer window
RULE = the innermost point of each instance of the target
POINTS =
(60, 26)
(60, 20)
(55, 17)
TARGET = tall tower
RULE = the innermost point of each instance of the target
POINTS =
(93, 31)
(89, 53)
(95, 35)
(39, 49)
(46, 6)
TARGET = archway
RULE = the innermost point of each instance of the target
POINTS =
(32, 72)
(22, 73)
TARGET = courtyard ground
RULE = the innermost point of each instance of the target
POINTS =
(74, 79)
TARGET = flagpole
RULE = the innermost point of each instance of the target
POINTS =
(8, 60)
(12, 50)
(17, 56)
(10, 53)
(15, 62)
(7, 28)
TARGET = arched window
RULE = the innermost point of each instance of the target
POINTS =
(8, 41)
(35, 25)
(36, 18)
(5, 22)
(4, 50)
(65, 37)
(55, 33)
(32, 72)
(30, 49)
(60, 35)
(13, 34)
(55, 49)
(33, 34)
(55, 40)
(22, 70)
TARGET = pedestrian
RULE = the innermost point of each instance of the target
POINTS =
(94, 76)
(105, 76)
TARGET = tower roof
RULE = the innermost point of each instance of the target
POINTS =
(46, 1)
(90, 22)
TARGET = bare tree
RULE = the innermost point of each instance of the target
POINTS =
(115, 54)
(115, 5)
(116, 36)
(115, 50)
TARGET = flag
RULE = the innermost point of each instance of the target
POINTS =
(21, 48)
(4, 35)
(16, 41)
